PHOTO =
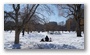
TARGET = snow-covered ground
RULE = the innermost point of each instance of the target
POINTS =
(60, 40)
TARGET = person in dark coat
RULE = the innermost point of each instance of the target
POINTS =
(42, 40)
(46, 39)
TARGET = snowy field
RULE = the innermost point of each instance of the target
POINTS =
(60, 40)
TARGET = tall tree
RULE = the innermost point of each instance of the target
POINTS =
(16, 8)
(28, 14)
(73, 10)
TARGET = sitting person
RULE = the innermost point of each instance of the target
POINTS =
(50, 40)
(46, 39)
(42, 40)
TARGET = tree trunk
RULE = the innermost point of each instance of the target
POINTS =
(79, 33)
(17, 32)
(78, 20)
(78, 30)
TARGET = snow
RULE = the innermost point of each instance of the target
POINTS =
(60, 40)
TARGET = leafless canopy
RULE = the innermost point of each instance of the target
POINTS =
(67, 10)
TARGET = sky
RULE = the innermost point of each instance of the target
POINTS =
(53, 17)
(56, 17)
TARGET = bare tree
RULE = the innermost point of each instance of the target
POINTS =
(73, 10)
(22, 16)
(25, 18)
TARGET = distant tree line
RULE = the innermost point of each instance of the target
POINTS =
(70, 25)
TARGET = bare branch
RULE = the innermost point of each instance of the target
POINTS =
(17, 7)
(43, 17)
(9, 15)
(71, 6)
(13, 6)
(68, 15)
(30, 14)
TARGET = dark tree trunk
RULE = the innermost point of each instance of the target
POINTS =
(17, 32)
(78, 29)
(79, 32)
(78, 20)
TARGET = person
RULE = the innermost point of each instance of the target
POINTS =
(23, 31)
(46, 39)
(50, 40)
(42, 40)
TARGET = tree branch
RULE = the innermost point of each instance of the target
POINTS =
(71, 7)
(30, 14)
(9, 15)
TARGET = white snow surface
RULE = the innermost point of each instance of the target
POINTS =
(61, 40)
